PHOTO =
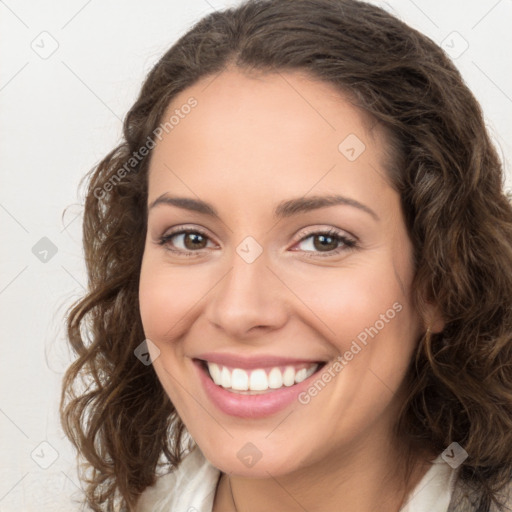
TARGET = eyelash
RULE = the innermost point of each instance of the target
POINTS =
(348, 243)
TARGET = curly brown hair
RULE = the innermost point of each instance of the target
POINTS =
(458, 217)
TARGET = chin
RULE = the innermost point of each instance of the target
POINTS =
(247, 460)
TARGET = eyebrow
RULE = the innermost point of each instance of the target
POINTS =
(284, 209)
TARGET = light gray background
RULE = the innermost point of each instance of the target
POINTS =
(59, 115)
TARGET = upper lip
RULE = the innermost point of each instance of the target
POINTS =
(261, 361)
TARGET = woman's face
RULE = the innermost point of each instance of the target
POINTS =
(297, 254)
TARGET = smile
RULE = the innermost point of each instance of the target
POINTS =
(254, 388)
(259, 380)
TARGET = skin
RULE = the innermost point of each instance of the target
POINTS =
(252, 142)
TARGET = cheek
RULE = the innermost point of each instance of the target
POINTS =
(381, 327)
(167, 296)
(365, 315)
(345, 302)
(164, 301)
(153, 296)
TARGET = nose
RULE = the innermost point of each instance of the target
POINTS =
(248, 301)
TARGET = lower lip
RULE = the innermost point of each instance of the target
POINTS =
(250, 406)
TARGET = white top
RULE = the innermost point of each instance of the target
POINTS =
(191, 488)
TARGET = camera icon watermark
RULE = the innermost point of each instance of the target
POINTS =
(44, 250)
(454, 455)
(351, 147)
(45, 45)
(249, 249)
(44, 455)
(249, 455)
(454, 45)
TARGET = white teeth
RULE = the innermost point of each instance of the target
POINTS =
(238, 379)
(225, 378)
(215, 373)
(259, 381)
(301, 375)
(289, 376)
(275, 379)
(304, 373)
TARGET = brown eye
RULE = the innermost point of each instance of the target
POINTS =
(194, 240)
(327, 243)
(185, 241)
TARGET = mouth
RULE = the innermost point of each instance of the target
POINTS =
(257, 381)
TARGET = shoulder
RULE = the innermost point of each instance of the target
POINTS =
(189, 487)
(464, 499)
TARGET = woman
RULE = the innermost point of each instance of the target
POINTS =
(305, 233)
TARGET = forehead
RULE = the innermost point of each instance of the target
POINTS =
(276, 132)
